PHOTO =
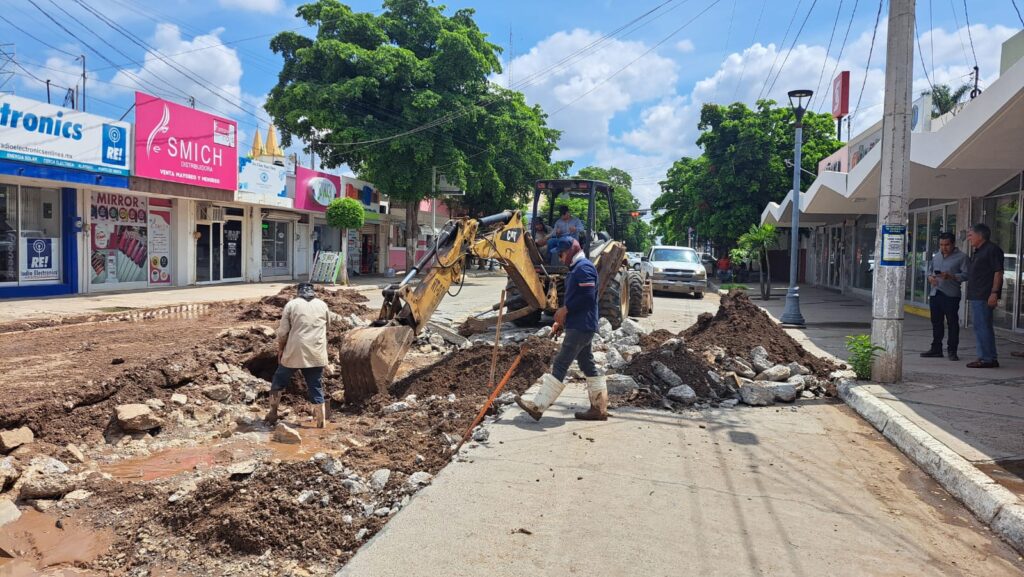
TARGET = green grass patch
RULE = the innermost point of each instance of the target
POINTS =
(729, 286)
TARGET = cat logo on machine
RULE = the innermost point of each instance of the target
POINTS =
(512, 235)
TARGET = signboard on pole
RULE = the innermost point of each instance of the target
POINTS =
(326, 267)
(841, 95)
(41, 133)
(894, 245)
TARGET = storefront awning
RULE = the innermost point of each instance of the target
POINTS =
(281, 215)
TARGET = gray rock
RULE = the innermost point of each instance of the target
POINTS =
(543, 333)
(842, 374)
(807, 395)
(480, 435)
(179, 399)
(604, 328)
(729, 403)
(379, 479)
(397, 407)
(137, 417)
(221, 368)
(46, 478)
(506, 398)
(715, 378)
(8, 472)
(285, 434)
(621, 384)
(756, 395)
(361, 534)
(354, 486)
(630, 351)
(347, 519)
(155, 404)
(682, 394)
(665, 375)
(9, 512)
(306, 497)
(382, 512)
(220, 393)
(628, 341)
(673, 344)
(631, 328)
(614, 359)
(244, 468)
(437, 341)
(249, 396)
(777, 373)
(78, 495)
(14, 438)
(419, 479)
(739, 366)
(782, 392)
(184, 490)
(759, 359)
(798, 380)
(798, 369)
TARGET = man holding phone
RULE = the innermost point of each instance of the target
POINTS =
(949, 271)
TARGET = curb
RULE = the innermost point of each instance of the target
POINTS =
(990, 502)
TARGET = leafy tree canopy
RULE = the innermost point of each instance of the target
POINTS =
(742, 168)
(345, 213)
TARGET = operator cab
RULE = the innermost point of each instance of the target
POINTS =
(559, 192)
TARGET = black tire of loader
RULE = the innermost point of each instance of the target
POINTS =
(611, 306)
(636, 294)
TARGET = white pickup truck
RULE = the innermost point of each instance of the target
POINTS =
(675, 269)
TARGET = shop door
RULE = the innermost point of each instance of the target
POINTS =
(203, 259)
(232, 250)
(276, 248)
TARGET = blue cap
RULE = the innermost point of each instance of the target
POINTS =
(565, 243)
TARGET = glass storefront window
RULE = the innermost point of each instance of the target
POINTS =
(864, 257)
(276, 248)
(119, 230)
(8, 233)
(30, 235)
(1002, 215)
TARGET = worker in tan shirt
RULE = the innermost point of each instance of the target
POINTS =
(302, 345)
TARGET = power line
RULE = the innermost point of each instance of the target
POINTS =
(970, 36)
(871, 50)
(959, 34)
(37, 39)
(743, 68)
(842, 47)
(1021, 18)
(779, 51)
(791, 46)
(824, 62)
(920, 53)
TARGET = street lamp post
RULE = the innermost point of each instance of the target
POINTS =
(798, 100)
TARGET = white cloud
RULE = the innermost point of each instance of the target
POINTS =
(267, 6)
(556, 84)
(685, 46)
(213, 73)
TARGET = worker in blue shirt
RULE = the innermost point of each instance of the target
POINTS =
(567, 226)
(579, 317)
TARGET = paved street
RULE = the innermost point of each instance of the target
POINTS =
(804, 490)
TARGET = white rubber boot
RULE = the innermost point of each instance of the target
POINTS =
(550, 388)
(597, 390)
(319, 415)
(275, 400)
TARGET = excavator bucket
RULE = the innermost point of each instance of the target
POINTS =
(369, 359)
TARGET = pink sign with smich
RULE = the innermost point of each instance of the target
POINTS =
(180, 144)
(315, 190)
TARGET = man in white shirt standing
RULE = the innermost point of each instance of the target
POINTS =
(302, 345)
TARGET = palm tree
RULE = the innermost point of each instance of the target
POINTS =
(944, 99)
(756, 243)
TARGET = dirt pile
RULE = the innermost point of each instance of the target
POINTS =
(342, 301)
(465, 371)
(740, 325)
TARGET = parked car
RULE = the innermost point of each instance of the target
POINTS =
(634, 259)
(677, 269)
(708, 261)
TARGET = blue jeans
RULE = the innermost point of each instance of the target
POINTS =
(575, 347)
(984, 331)
(312, 375)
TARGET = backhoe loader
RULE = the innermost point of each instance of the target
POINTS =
(370, 356)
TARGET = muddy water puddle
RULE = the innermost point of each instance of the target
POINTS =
(35, 545)
(254, 443)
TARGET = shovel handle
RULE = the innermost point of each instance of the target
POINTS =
(490, 399)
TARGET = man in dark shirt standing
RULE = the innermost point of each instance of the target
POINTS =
(984, 287)
(948, 267)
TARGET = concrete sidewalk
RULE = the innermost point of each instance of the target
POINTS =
(978, 413)
(800, 490)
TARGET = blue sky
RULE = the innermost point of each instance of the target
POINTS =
(644, 85)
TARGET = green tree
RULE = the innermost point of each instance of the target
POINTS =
(396, 94)
(741, 168)
(755, 244)
(345, 214)
(945, 99)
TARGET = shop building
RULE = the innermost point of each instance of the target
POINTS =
(433, 214)
(966, 167)
(53, 162)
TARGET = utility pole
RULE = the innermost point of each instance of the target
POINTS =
(82, 58)
(890, 277)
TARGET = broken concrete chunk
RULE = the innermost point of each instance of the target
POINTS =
(397, 407)
(756, 395)
(353, 486)
(729, 403)
(75, 453)
(137, 417)
(798, 369)
(379, 479)
(614, 359)
(682, 394)
(9, 512)
(665, 374)
(382, 512)
(14, 438)
(419, 479)
(78, 495)
(244, 468)
(631, 327)
(285, 434)
(179, 399)
(777, 373)
(306, 497)
(8, 472)
(715, 378)
(782, 392)
(480, 435)
(221, 368)
(739, 366)
(155, 404)
(437, 341)
(621, 384)
(759, 359)
(45, 478)
(220, 393)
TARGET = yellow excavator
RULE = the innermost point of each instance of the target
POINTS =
(370, 356)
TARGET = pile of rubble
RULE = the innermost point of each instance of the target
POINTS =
(345, 302)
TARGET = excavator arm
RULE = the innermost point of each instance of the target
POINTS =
(371, 356)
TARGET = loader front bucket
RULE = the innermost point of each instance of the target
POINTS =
(369, 359)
